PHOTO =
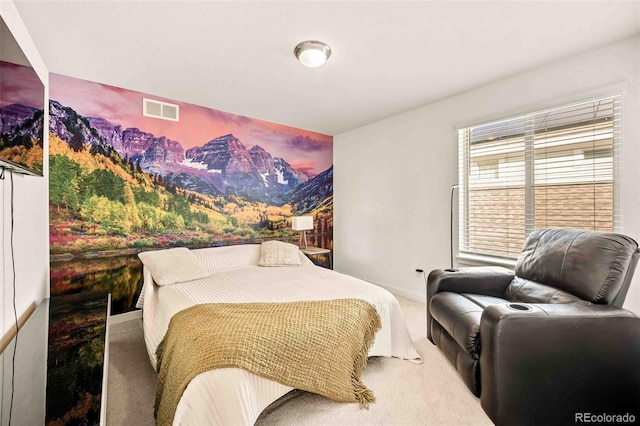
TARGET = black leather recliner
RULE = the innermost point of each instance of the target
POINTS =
(548, 343)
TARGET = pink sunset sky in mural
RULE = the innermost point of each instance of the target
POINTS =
(20, 85)
(307, 151)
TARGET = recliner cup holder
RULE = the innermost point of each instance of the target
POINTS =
(518, 307)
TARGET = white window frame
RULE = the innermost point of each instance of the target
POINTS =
(478, 256)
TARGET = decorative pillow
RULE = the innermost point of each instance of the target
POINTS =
(173, 265)
(227, 258)
(278, 253)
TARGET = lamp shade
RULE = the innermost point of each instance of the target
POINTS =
(301, 223)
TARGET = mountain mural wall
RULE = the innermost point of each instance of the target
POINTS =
(21, 119)
(120, 183)
(222, 166)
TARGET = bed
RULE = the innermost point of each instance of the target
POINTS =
(233, 275)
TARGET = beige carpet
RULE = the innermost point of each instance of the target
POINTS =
(407, 394)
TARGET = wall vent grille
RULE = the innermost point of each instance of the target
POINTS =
(159, 109)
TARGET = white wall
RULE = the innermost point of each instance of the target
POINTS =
(31, 214)
(30, 372)
(393, 178)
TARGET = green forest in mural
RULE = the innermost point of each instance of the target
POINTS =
(101, 202)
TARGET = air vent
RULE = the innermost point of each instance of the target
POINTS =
(158, 109)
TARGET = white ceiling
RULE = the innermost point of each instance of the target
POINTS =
(388, 57)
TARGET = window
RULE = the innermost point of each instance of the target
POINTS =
(554, 168)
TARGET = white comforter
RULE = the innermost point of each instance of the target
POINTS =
(232, 395)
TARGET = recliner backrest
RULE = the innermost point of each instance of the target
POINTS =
(596, 267)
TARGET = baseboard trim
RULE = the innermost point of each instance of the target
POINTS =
(127, 316)
(396, 291)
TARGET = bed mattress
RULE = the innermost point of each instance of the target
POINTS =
(232, 395)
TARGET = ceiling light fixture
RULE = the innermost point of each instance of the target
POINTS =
(312, 53)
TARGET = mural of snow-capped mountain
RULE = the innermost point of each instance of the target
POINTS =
(21, 133)
(311, 195)
(221, 166)
(20, 125)
(21, 119)
(121, 181)
(13, 117)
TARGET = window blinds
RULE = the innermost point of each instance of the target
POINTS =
(554, 168)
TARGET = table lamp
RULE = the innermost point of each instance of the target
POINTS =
(302, 223)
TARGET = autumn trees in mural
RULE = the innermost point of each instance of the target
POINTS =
(104, 202)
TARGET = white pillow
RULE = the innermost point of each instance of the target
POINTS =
(173, 265)
(220, 259)
(278, 253)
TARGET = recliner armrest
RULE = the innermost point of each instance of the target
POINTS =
(553, 363)
(488, 280)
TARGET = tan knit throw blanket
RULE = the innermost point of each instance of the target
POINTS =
(316, 346)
